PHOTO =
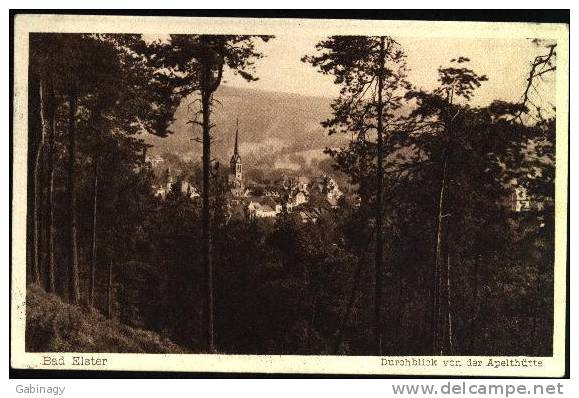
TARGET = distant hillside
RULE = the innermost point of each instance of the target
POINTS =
(270, 125)
(55, 326)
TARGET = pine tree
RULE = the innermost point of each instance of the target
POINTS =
(371, 72)
(440, 110)
(196, 64)
(105, 88)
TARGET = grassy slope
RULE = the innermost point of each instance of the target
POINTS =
(55, 326)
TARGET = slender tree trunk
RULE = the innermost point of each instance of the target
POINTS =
(73, 280)
(345, 320)
(34, 136)
(350, 306)
(435, 295)
(475, 306)
(402, 299)
(205, 216)
(379, 259)
(94, 236)
(441, 323)
(311, 327)
(110, 291)
(51, 231)
(448, 308)
(438, 272)
(45, 125)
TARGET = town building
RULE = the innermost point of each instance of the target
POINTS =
(520, 200)
(327, 189)
(263, 207)
(168, 184)
(186, 189)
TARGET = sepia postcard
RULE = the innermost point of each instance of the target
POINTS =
(289, 196)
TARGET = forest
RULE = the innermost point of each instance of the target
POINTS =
(428, 256)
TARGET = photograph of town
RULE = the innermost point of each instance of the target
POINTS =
(293, 194)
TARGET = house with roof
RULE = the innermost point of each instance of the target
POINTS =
(186, 188)
(327, 188)
(263, 207)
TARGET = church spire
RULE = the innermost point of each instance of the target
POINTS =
(236, 150)
(235, 170)
(235, 159)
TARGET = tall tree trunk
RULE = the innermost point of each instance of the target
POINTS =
(475, 307)
(379, 255)
(94, 235)
(448, 326)
(435, 295)
(45, 125)
(311, 325)
(51, 228)
(441, 324)
(73, 280)
(205, 216)
(345, 319)
(34, 135)
(402, 300)
(110, 291)
(439, 256)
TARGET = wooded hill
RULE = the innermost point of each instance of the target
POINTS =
(271, 126)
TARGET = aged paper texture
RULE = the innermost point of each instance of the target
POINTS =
(203, 195)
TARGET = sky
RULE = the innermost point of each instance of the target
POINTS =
(506, 62)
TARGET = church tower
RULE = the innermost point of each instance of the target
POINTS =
(235, 166)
